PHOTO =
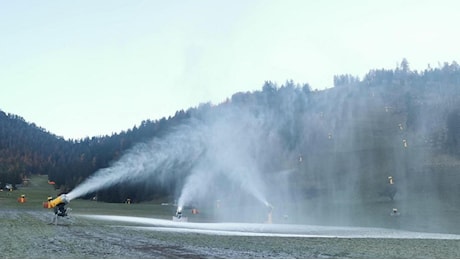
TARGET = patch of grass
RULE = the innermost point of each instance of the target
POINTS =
(36, 193)
(38, 190)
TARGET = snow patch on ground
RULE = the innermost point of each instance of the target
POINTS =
(273, 230)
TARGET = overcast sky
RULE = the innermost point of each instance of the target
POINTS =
(90, 68)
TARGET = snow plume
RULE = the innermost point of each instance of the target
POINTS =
(230, 156)
(317, 157)
(243, 153)
(221, 148)
(146, 160)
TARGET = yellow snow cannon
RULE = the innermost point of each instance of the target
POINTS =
(51, 203)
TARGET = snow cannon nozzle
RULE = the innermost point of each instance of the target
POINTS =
(65, 199)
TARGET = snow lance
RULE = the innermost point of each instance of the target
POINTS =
(178, 217)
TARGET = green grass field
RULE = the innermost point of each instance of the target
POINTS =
(415, 215)
(28, 234)
(36, 193)
(38, 190)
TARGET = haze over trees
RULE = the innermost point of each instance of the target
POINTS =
(395, 122)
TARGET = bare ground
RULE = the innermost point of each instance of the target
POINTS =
(28, 234)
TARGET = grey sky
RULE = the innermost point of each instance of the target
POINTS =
(88, 68)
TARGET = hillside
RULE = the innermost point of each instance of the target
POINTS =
(345, 140)
(26, 149)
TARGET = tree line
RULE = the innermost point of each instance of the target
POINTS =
(427, 103)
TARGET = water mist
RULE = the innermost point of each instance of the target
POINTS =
(316, 158)
(217, 149)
